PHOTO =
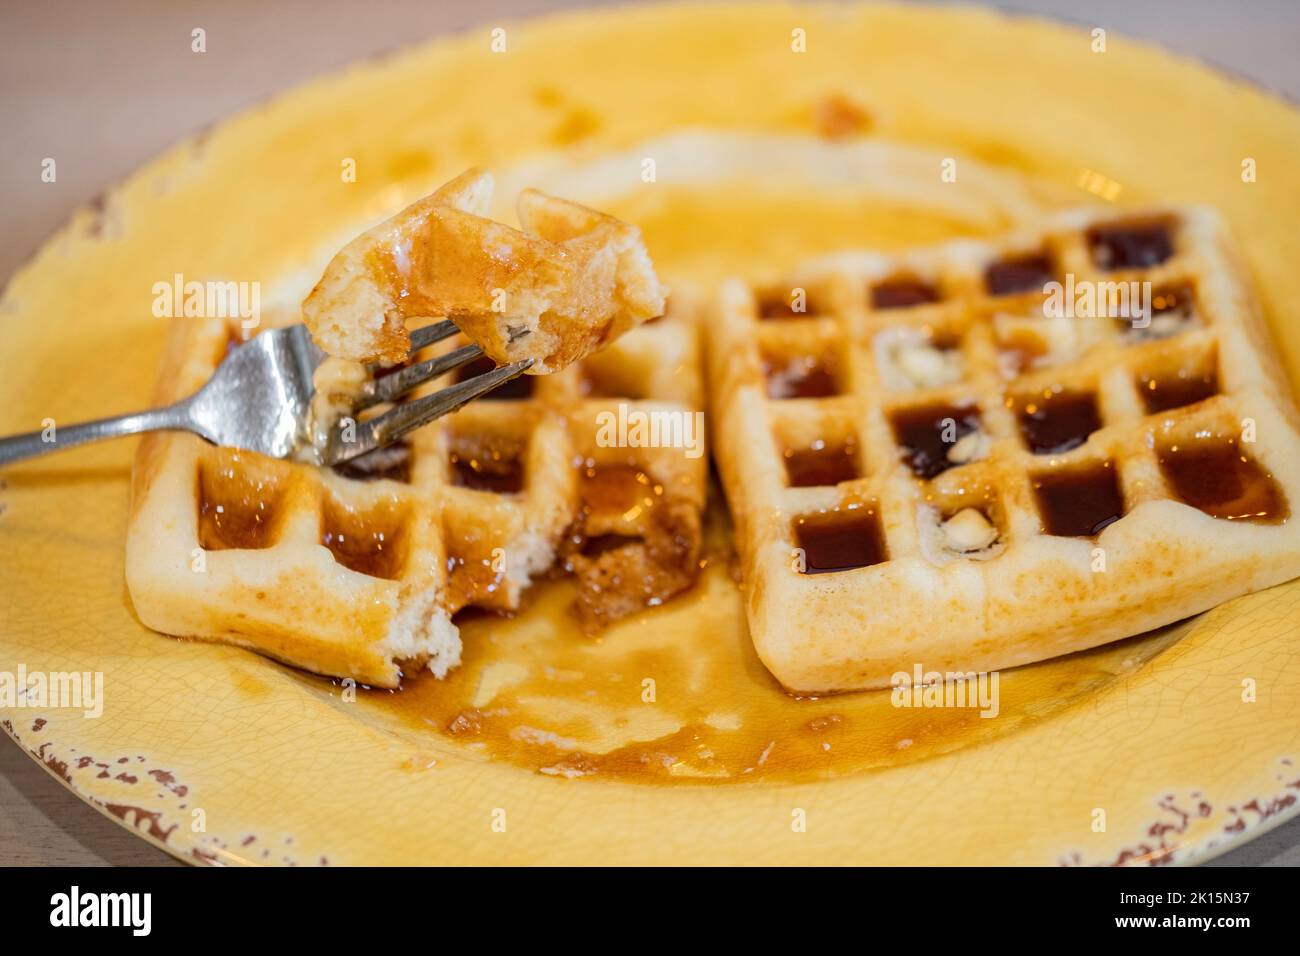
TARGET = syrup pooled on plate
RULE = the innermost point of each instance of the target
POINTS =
(676, 695)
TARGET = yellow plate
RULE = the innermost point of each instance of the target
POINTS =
(664, 742)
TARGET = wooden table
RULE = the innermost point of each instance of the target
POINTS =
(103, 87)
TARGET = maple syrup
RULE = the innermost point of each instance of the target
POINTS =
(929, 432)
(821, 464)
(371, 543)
(1186, 386)
(615, 489)
(1135, 245)
(236, 510)
(839, 540)
(534, 692)
(634, 545)
(594, 547)
(1079, 502)
(1174, 300)
(801, 376)
(902, 292)
(1173, 311)
(484, 464)
(1213, 474)
(781, 306)
(1053, 423)
(1019, 274)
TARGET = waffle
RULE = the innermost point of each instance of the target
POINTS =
(573, 281)
(357, 571)
(929, 466)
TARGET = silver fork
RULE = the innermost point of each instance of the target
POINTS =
(260, 396)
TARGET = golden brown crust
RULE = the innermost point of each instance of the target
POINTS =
(1152, 553)
(570, 282)
(356, 574)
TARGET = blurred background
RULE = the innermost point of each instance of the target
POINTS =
(103, 87)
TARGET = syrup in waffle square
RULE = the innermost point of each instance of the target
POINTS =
(600, 498)
(928, 464)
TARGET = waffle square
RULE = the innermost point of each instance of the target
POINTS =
(952, 457)
(357, 571)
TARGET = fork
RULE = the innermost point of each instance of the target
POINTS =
(259, 399)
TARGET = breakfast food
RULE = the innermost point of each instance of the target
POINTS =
(571, 282)
(357, 571)
(983, 454)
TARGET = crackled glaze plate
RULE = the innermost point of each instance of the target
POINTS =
(664, 741)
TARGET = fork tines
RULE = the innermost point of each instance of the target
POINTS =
(435, 332)
(388, 427)
(395, 385)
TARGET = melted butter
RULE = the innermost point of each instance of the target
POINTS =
(677, 695)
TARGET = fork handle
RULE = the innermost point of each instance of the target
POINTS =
(58, 437)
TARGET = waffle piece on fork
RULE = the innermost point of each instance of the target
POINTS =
(570, 282)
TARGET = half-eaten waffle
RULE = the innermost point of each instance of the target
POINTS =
(358, 571)
(953, 458)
